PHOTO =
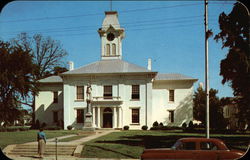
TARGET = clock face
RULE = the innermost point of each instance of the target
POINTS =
(110, 36)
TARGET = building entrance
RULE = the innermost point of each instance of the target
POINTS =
(107, 118)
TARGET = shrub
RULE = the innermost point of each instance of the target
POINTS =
(12, 129)
(23, 128)
(53, 128)
(43, 125)
(191, 125)
(126, 128)
(3, 129)
(69, 127)
(144, 127)
(161, 124)
(155, 124)
(184, 125)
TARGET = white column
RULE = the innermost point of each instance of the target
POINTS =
(94, 124)
(120, 117)
(114, 118)
(98, 117)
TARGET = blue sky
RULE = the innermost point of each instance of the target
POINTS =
(171, 33)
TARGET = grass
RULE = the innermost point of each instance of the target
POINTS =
(130, 144)
(7, 138)
(72, 138)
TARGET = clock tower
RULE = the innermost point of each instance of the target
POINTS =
(111, 35)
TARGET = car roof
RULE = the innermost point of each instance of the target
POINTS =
(199, 139)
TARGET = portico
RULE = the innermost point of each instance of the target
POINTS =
(107, 113)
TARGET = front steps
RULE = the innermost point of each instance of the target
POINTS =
(30, 150)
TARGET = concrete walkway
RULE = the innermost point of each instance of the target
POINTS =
(97, 134)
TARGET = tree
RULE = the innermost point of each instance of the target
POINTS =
(47, 55)
(216, 112)
(15, 80)
(235, 68)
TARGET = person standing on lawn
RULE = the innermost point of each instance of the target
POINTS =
(41, 138)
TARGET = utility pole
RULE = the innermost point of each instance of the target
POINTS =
(206, 69)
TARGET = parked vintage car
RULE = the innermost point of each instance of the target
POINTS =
(193, 148)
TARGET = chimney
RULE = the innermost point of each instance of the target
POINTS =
(149, 64)
(71, 65)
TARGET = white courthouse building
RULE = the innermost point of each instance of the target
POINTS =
(122, 93)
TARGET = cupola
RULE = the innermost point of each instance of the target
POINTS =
(111, 35)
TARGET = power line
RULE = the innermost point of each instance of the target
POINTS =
(129, 24)
(96, 14)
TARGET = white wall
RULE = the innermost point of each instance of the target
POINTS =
(183, 103)
(44, 105)
(122, 87)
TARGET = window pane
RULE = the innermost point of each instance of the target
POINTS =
(55, 98)
(113, 49)
(135, 116)
(79, 115)
(80, 92)
(189, 146)
(108, 49)
(171, 116)
(107, 93)
(171, 95)
(135, 92)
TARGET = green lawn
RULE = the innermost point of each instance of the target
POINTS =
(130, 144)
(7, 138)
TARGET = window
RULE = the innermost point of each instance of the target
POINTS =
(107, 49)
(208, 146)
(79, 116)
(55, 116)
(171, 95)
(188, 146)
(135, 116)
(55, 97)
(171, 116)
(113, 49)
(135, 92)
(80, 92)
(107, 94)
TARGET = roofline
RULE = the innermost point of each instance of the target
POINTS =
(176, 80)
(123, 73)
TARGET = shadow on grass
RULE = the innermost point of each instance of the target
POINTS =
(110, 150)
(151, 141)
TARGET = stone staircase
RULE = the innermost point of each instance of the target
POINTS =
(27, 150)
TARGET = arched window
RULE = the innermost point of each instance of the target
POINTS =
(107, 50)
(113, 49)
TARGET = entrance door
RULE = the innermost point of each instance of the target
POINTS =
(107, 118)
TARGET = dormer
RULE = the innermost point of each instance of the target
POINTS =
(111, 35)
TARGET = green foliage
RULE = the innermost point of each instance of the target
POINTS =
(216, 111)
(144, 127)
(126, 128)
(69, 127)
(235, 68)
(155, 124)
(15, 80)
(184, 125)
